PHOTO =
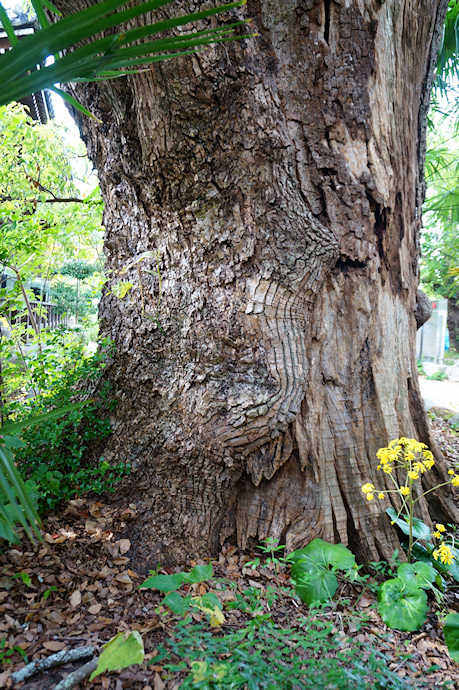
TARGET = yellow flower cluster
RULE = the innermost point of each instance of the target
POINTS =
(369, 489)
(402, 452)
(405, 455)
(440, 528)
(444, 553)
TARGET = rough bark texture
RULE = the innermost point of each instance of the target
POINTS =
(279, 181)
(423, 310)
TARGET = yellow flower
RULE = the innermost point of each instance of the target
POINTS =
(370, 497)
(429, 464)
(437, 535)
(404, 490)
(381, 495)
(413, 474)
(419, 467)
(450, 471)
(368, 488)
(440, 527)
(428, 455)
(455, 480)
(388, 469)
(444, 553)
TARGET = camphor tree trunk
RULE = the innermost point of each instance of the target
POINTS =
(279, 181)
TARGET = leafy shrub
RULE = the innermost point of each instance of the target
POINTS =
(437, 376)
(52, 457)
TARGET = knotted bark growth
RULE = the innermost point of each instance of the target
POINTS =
(270, 352)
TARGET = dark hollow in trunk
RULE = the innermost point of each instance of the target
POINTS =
(268, 352)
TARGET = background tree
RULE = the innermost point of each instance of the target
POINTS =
(440, 239)
(440, 244)
(280, 182)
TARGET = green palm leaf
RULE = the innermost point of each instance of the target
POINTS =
(102, 56)
(16, 506)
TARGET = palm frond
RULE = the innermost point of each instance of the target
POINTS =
(101, 56)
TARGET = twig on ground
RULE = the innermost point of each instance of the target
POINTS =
(78, 675)
(54, 660)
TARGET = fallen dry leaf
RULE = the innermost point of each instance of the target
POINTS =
(54, 646)
(75, 599)
(158, 683)
(365, 601)
(125, 545)
(124, 578)
(95, 608)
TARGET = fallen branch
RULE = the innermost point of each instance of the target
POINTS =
(77, 676)
(50, 661)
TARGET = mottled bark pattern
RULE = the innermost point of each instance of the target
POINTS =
(278, 180)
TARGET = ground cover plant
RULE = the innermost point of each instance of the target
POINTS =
(313, 618)
(51, 456)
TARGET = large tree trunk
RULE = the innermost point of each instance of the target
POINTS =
(278, 180)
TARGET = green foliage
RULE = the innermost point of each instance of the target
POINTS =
(18, 499)
(451, 632)
(7, 653)
(402, 604)
(17, 505)
(447, 64)
(314, 567)
(52, 456)
(421, 574)
(437, 376)
(113, 55)
(263, 655)
(420, 529)
(123, 650)
(40, 224)
(169, 583)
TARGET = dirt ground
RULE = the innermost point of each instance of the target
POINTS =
(78, 589)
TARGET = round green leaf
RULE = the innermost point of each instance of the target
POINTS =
(451, 632)
(323, 553)
(419, 573)
(402, 604)
(313, 582)
(311, 570)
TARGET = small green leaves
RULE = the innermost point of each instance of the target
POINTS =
(177, 604)
(451, 632)
(311, 570)
(200, 573)
(165, 583)
(169, 583)
(402, 604)
(121, 651)
(420, 529)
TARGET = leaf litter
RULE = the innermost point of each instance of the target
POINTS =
(79, 590)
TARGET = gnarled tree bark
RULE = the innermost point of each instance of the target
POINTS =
(279, 181)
